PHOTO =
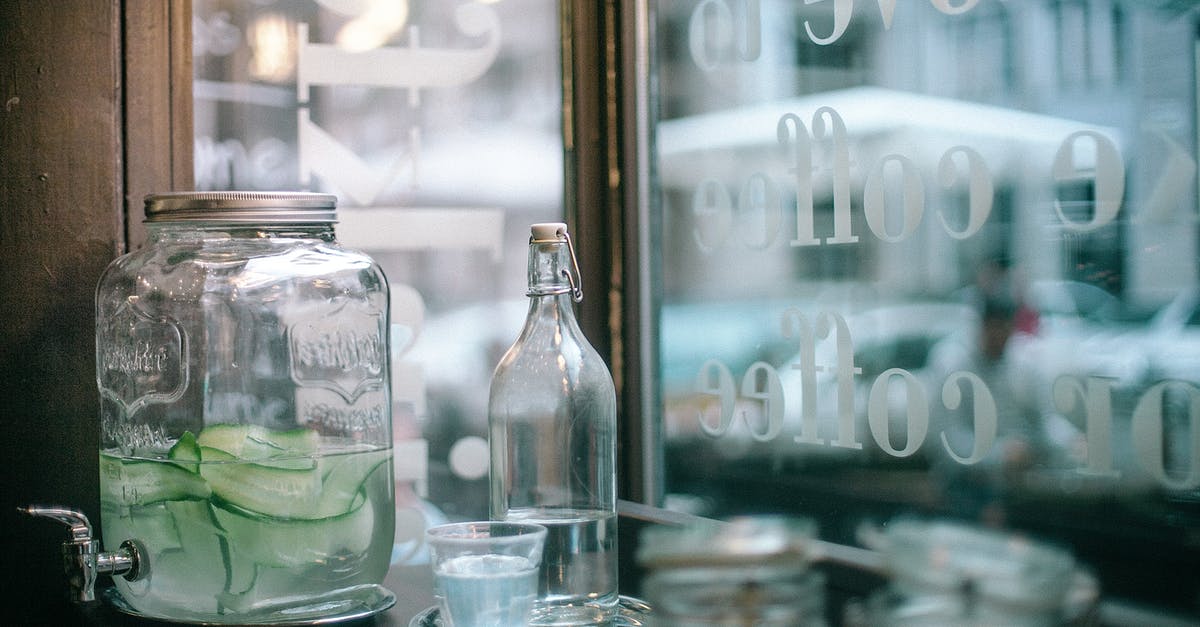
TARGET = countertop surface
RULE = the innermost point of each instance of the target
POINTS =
(412, 585)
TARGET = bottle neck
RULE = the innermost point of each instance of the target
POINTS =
(549, 270)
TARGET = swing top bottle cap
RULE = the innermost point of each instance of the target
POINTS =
(548, 231)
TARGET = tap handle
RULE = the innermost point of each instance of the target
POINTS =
(75, 520)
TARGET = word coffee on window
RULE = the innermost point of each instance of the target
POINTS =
(714, 33)
(893, 208)
(763, 385)
(716, 207)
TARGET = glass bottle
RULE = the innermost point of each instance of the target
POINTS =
(552, 421)
(246, 437)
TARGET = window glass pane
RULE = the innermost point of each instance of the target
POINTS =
(934, 258)
(437, 125)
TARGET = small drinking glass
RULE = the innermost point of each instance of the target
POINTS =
(486, 573)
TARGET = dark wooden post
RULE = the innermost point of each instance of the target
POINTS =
(88, 91)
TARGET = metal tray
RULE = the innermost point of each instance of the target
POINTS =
(368, 601)
(632, 613)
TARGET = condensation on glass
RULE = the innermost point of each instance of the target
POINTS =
(245, 428)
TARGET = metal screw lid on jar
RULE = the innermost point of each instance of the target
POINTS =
(242, 207)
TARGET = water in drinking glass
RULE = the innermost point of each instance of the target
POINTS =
(486, 590)
(486, 573)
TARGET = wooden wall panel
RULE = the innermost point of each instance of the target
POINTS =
(63, 167)
(158, 96)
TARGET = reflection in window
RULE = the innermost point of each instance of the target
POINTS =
(1089, 35)
(986, 36)
(942, 267)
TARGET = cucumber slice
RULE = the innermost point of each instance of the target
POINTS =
(343, 476)
(291, 543)
(141, 482)
(203, 541)
(254, 442)
(192, 575)
(186, 452)
(328, 487)
(267, 489)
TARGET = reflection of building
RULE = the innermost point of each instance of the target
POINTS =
(1012, 81)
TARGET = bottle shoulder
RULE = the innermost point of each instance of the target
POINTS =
(553, 348)
(538, 361)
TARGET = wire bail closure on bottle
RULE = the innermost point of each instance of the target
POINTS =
(576, 281)
(560, 234)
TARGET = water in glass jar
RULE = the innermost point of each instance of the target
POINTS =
(273, 526)
(486, 590)
(577, 584)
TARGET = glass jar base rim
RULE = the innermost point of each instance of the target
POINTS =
(631, 612)
(361, 602)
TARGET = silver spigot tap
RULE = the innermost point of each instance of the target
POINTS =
(82, 557)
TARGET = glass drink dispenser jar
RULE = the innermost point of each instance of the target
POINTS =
(246, 439)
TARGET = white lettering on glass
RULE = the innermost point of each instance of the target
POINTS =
(795, 325)
(980, 190)
(912, 205)
(1096, 394)
(759, 375)
(1148, 434)
(711, 28)
(839, 170)
(1107, 179)
(842, 10)
(985, 417)
(711, 33)
(401, 67)
(793, 134)
(916, 412)
(844, 371)
(411, 67)
(760, 199)
(229, 165)
(713, 211)
(794, 138)
(762, 384)
(950, 8)
(715, 379)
